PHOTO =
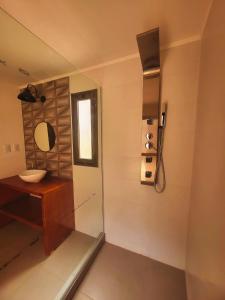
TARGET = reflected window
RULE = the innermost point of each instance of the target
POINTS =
(85, 128)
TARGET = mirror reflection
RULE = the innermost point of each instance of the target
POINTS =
(44, 136)
(85, 139)
(58, 217)
(26, 58)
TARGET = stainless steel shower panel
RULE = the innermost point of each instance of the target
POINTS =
(148, 44)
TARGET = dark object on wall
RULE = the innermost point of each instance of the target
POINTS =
(26, 95)
(51, 136)
(44, 136)
(31, 94)
(88, 117)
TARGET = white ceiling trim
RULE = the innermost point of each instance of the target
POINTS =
(189, 40)
(119, 60)
(135, 55)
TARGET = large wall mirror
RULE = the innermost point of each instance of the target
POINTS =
(26, 57)
(48, 145)
(44, 136)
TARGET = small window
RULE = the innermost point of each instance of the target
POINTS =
(85, 128)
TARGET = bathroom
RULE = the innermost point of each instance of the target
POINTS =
(124, 240)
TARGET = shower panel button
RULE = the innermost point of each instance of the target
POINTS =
(148, 159)
(148, 174)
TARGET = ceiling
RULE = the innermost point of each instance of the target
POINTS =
(19, 48)
(90, 32)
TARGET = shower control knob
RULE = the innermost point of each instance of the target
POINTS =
(148, 145)
(149, 135)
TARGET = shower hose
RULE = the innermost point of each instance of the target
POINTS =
(160, 186)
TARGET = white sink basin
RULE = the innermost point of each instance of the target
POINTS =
(32, 175)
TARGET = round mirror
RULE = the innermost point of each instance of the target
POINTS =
(44, 136)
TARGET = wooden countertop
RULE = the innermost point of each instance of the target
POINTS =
(46, 185)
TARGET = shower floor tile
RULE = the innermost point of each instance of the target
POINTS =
(32, 275)
(118, 274)
(15, 238)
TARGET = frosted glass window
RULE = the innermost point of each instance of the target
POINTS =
(84, 129)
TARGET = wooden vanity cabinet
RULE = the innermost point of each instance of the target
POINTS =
(47, 206)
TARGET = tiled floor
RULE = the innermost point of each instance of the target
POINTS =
(14, 238)
(34, 276)
(118, 274)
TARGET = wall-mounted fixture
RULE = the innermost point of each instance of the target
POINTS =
(31, 94)
(153, 115)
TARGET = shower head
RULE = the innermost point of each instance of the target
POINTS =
(30, 94)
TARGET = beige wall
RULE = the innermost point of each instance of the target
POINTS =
(88, 180)
(206, 246)
(11, 130)
(136, 217)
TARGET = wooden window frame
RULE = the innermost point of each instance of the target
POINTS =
(75, 97)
